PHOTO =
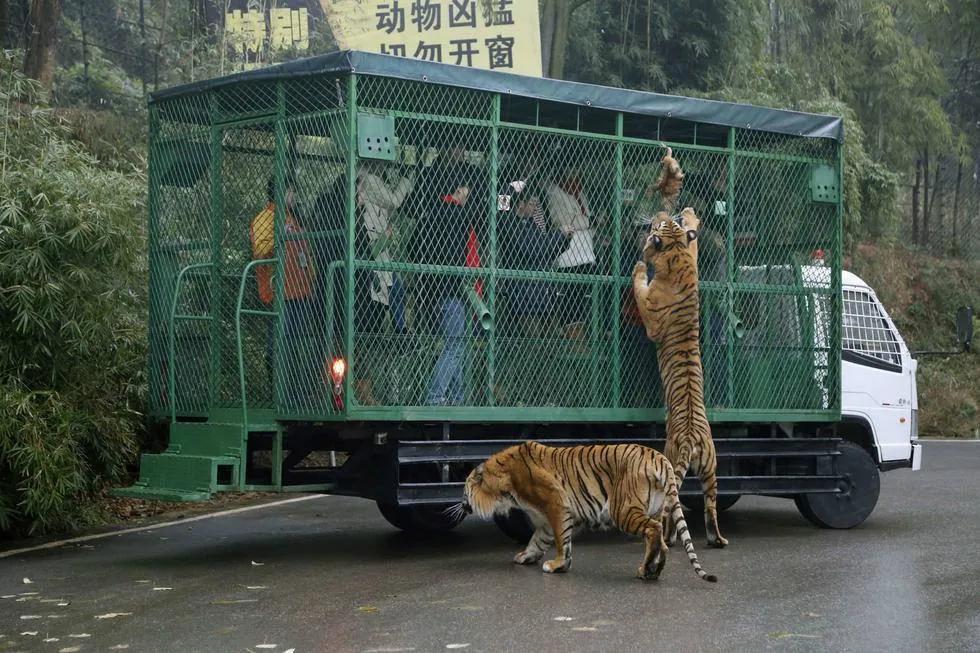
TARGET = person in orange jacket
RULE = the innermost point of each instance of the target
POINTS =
(298, 285)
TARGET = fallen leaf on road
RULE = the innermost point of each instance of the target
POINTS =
(563, 618)
(70, 649)
(29, 633)
(8, 596)
(28, 581)
(112, 615)
(266, 646)
(64, 604)
(255, 587)
(257, 564)
(30, 616)
(813, 615)
(162, 589)
(80, 636)
(28, 594)
(51, 639)
(289, 650)
(585, 629)
(455, 646)
(366, 608)
(54, 616)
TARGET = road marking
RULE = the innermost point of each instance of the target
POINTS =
(153, 527)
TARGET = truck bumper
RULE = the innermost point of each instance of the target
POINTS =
(916, 457)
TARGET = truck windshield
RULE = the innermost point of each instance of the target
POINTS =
(866, 331)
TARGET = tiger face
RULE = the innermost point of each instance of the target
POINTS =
(488, 488)
(669, 234)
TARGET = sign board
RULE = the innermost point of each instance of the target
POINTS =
(491, 34)
(254, 29)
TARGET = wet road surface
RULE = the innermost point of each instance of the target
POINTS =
(329, 574)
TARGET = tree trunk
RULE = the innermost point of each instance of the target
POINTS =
(3, 25)
(555, 19)
(937, 194)
(956, 197)
(42, 43)
(925, 198)
(548, 18)
(915, 202)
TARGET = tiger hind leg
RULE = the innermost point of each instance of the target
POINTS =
(638, 522)
(709, 485)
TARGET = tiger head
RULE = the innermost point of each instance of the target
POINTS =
(489, 487)
(670, 235)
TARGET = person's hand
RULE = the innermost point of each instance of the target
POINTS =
(462, 194)
(567, 230)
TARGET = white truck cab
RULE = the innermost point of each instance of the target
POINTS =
(878, 377)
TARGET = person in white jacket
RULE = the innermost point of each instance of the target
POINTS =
(569, 211)
(378, 200)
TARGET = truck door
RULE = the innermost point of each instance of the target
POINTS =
(875, 373)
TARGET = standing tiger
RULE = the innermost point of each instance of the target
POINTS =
(669, 309)
(626, 485)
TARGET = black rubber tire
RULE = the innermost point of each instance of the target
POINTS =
(420, 519)
(696, 503)
(515, 525)
(858, 495)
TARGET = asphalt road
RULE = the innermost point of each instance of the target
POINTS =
(329, 574)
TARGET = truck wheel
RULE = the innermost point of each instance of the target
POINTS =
(696, 503)
(420, 519)
(858, 495)
(515, 525)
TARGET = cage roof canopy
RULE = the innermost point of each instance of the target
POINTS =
(658, 105)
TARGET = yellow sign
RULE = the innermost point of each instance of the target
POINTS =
(492, 34)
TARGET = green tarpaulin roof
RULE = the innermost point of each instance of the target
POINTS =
(603, 97)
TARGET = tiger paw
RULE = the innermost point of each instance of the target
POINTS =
(526, 557)
(717, 542)
(640, 270)
(556, 566)
(690, 219)
(646, 573)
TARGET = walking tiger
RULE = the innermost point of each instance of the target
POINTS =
(624, 485)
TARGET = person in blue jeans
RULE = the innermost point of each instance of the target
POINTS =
(442, 240)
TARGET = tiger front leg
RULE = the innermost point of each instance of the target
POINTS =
(562, 524)
(542, 540)
(645, 295)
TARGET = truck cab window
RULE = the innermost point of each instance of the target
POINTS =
(866, 332)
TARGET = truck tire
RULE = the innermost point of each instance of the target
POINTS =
(426, 520)
(696, 503)
(858, 495)
(515, 525)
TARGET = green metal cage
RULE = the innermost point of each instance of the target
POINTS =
(339, 238)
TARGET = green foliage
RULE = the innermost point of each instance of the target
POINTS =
(72, 280)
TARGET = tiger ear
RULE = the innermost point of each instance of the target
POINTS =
(692, 235)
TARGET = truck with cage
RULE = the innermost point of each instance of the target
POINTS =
(368, 273)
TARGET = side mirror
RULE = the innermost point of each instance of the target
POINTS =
(964, 327)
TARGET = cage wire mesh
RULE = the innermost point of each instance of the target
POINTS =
(479, 257)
